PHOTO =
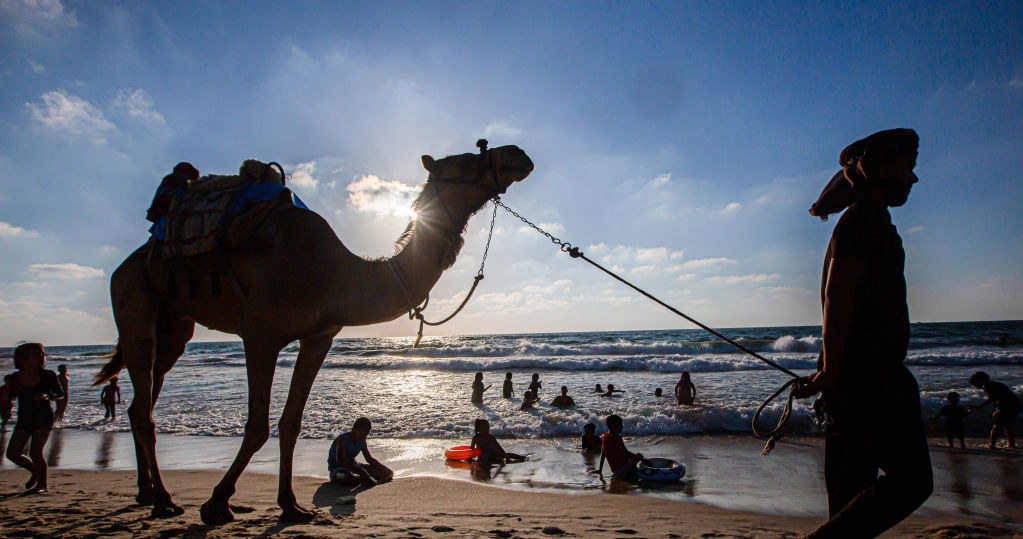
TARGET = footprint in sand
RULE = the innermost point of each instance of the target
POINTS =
(442, 529)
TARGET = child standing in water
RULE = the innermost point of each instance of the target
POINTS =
(478, 389)
(591, 443)
(685, 391)
(110, 396)
(528, 400)
(954, 414)
(535, 385)
(491, 451)
(1007, 407)
(507, 391)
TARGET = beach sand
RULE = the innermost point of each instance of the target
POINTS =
(87, 504)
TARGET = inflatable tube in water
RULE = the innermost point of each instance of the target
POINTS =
(462, 452)
(660, 470)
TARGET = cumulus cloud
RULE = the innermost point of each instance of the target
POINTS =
(382, 197)
(915, 229)
(703, 263)
(500, 130)
(622, 254)
(731, 207)
(36, 68)
(738, 279)
(68, 271)
(61, 111)
(36, 18)
(303, 177)
(663, 179)
(784, 290)
(138, 103)
(7, 230)
(685, 277)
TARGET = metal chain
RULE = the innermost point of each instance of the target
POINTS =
(486, 249)
(563, 245)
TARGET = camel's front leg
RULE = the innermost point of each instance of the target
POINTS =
(310, 357)
(260, 361)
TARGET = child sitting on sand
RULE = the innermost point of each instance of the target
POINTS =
(341, 462)
(507, 390)
(478, 389)
(1007, 407)
(491, 451)
(528, 400)
(954, 414)
(619, 459)
(591, 443)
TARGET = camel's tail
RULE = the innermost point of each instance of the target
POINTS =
(112, 367)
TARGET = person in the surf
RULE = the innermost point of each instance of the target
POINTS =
(34, 387)
(611, 391)
(478, 389)
(63, 379)
(685, 390)
(954, 414)
(620, 460)
(6, 406)
(491, 451)
(528, 400)
(658, 393)
(563, 400)
(341, 463)
(535, 385)
(872, 399)
(598, 389)
(110, 396)
(590, 441)
(1007, 407)
(507, 391)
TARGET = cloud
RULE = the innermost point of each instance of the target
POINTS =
(382, 197)
(36, 68)
(303, 178)
(738, 279)
(500, 129)
(67, 271)
(138, 103)
(7, 230)
(685, 277)
(731, 207)
(1017, 78)
(782, 290)
(60, 111)
(34, 18)
(663, 179)
(644, 256)
(702, 263)
(993, 282)
(915, 229)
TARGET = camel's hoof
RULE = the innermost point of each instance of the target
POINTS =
(215, 514)
(144, 499)
(166, 509)
(296, 513)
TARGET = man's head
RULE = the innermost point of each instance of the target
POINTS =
(564, 390)
(361, 428)
(979, 378)
(614, 424)
(29, 354)
(883, 163)
(62, 369)
(953, 397)
(479, 376)
(658, 392)
(536, 377)
(610, 388)
(186, 170)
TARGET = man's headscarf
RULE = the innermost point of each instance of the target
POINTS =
(860, 162)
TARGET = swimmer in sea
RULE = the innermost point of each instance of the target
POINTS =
(507, 391)
(491, 451)
(658, 392)
(563, 400)
(535, 385)
(528, 400)
(611, 391)
(685, 391)
(478, 389)
(110, 396)
(598, 389)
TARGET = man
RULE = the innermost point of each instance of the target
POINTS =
(872, 400)
(563, 400)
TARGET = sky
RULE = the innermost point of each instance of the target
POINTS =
(680, 144)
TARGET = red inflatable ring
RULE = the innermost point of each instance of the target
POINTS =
(462, 452)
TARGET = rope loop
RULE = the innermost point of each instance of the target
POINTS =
(778, 431)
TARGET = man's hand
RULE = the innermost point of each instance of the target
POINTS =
(809, 386)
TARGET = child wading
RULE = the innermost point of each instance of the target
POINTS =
(110, 396)
(1007, 407)
(954, 414)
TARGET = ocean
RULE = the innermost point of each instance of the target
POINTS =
(424, 393)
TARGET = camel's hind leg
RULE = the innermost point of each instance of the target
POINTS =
(260, 362)
(310, 358)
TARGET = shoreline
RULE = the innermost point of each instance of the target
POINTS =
(724, 471)
(85, 504)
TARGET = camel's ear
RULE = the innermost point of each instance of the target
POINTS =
(429, 163)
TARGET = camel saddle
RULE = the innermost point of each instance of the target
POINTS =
(217, 211)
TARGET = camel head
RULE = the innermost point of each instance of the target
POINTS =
(459, 185)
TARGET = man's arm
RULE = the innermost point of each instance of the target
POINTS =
(365, 453)
(839, 293)
(600, 467)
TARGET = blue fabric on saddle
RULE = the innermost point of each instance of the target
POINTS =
(198, 219)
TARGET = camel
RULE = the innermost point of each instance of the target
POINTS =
(305, 286)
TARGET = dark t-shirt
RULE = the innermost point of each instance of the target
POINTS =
(563, 401)
(953, 415)
(1004, 398)
(507, 389)
(879, 333)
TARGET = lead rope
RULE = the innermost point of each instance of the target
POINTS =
(774, 434)
(416, 312)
